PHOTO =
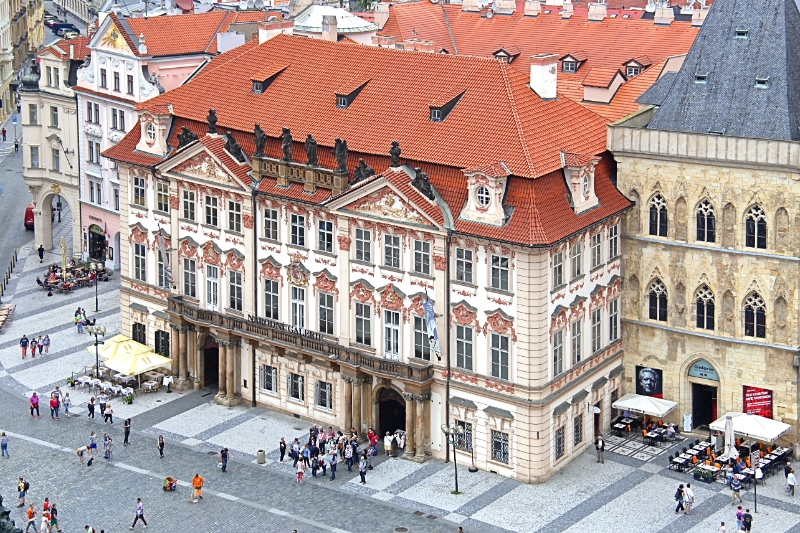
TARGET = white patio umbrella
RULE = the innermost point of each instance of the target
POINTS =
(657, 407)
(730, 440)
(752, 426)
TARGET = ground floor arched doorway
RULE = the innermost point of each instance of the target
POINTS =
(704, 382)
(97, 243)
(210, 362)
(391, 411)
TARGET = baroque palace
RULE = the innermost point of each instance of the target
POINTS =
(334, 196)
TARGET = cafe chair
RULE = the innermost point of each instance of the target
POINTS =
(685, 449)
(694, 459)
(696, 442)
(708, 462)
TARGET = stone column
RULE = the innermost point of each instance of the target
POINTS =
(175, 353)
(183, 357)
(409, 451)
(222, 374)
(231, 385)
(348, 400)
(357, 405)
(366, 402)
(419, 430)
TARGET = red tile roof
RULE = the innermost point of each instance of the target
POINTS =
(181, 34)
(494, 170)
(125, 150)
(216, 145)
(600, 77)
(61, 49)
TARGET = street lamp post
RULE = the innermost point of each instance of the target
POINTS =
(451, 433)
(97, 330)
(93, 268)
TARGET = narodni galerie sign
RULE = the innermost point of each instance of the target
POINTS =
(285, 327)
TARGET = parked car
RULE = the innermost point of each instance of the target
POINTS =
(60, 28)
(29, 217)
(69, 34)
(53, 21)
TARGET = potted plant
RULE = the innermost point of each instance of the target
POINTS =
(71, 382)
(697, 475)
(707, 477)
(128, 398)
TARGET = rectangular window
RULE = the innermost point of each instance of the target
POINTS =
(464, 347)
(464, 265)
(363, 324)
(324, 396)
(57, 73)
(268, 378)
(34, 157)
(271, 224)
(162, 278)
(271, 299)
(500, 446)
(577, 259)
(597, 331)
(162, 343)
(558, 269)
(363, 245)
(89, 115)
(97, 113)
(597, 255)
(558, 352)
(212, 287)
(116, 81)
(53, 116)
(235, 290)
(189, 277)
(577, 342)
(99, 186)
(298, 228)
(139, 333)
(422, 257)
(326, 313)
(560, 444)
(234, 216)
(49, 76)
(130, 84)
(577, 430)
(114, 121)
(139, 262)
(613, 241)
(295, 386)
(56, 160)
(500, 272)
(91, 151)
(613, 320)
(391, 251)
(33, 115)
(211, 211)
(325, 233)
(499, 356)
(298, 307)
(116, 198)
(91, 191)
(391, 335)
(139, 191)
(464, 442)
(188, 205)
(121, 120)
(422, 345)
(162, 196)
(103, 78)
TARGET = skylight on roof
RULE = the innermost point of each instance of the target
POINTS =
(741, 33)
(701, 78)
(762, 82)
(612, 16)
(626, 16)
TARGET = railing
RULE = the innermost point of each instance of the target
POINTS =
(418, 372)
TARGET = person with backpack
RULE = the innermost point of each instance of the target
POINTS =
(739, 514)
(747, 520)
(22, 489)
(679, 498)
(139, 513)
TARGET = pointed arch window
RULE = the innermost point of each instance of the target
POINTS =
(705, 308)
(706, 222)
(657, 295)
(755, 317)
(756, 228)
(658, 216)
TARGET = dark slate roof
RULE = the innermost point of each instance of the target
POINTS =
(658, 92)
(729, 102)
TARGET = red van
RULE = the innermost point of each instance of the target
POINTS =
(29, 217)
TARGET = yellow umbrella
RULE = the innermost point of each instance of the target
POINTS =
(117, 345)
(132, 364)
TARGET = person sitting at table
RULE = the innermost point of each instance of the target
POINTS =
(170, 483)
(651, 426)
(670, 431)
(626, 413)
(741, 465)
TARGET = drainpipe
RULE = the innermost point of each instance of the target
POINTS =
(255, 286)
(796, 365)
(447, 339)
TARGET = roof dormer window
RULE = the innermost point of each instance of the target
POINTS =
(701, 78)
(341, 101)
(569, 66)
(348, 93)
(762, 82)
(443, 105)
(632, 71)
(741, 33)
(258, 87)
(436, 114)
(264, 78)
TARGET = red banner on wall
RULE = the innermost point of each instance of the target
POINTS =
(757, 401)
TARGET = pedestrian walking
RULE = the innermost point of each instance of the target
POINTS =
(31, 514)
(688, 498)
(223, 458)
(791, 481)
(739, 515)
(362, 469)
(736, 488)
(92, 442)
(16, 145)
(22, 489)
(787, 469)
(161, 446)
(46, 342)
(103, 400)
(4, 445)
(39, 250)
(33, 343)
(300, 467)
(747, 520)
(53, 407)
(197, 488)
(126, 426)
(23, 344)
(105, 445)
(721, 528)
(109, 449)
(4, 134)
(67, 404)
(34, 403)
(679, 495)
(333, 459)
(139, 514)
(109, 415)
(40, 344)
(54, 518)
(90, 406)
(282, 447)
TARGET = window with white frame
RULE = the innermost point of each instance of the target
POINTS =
(298, 230)
(613, 320)
(577, 430)
(464, 265)
(499, 279)
(422, 346)
(326, 313)
(211, 211)
(235, 216)
(558, 352)
(558, 269)
(391, 334)
(597, 250)
(118, 119)
(597, 330)
(363, 324)
(130, 84)
(115, 192)
(53, 116)
(271, 224)
(95, 192)
(422, 257)
(576, 330)
(325, 233)
(139, 198)
(464, 347)
(324, 395)
(56, 160)
(268, 379)
(363, 245)
(33, 115)
(271, 299)
(116, 81)
(499, 355)
(577, 259)
(391, 251)
(613, 241)
(298, 307)
(139, 262)
(295, 387)
(89, 114)
(34, 156)
(162, 196)
(235, 290)
(188, 205)
(162, 278)
(561, 447)
(189, 277)
(499, 446)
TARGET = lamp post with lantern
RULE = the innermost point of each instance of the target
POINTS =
(451, 434)
(97, 330)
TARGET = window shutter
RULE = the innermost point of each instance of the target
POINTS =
(316, 393)
(289, 385)
(301, 385)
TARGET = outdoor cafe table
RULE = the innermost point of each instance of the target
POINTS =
(706, 468)
(83, 380)
(149, 385)
(124, 379)
(627, 420)
(681, 462)
(692, 452)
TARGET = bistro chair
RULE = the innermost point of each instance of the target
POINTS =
(694, 459)
(696, 442)
(685, 449)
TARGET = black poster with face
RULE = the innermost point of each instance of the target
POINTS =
(649, 381)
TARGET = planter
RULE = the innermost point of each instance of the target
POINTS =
(707, 479)
(697, 476)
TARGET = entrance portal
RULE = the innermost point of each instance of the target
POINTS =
(391, 411)
(704, 404)
(210, 362)
(97, 243)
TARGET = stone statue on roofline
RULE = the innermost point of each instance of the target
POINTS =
(186, 136)
(212, 121)
(394, 151)
(362, 172)
(286, 144)
(340, 154)
(311, 151)
(260, 139)
(233, 148)
(423, 184)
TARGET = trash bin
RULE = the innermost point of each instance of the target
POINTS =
(261, 457)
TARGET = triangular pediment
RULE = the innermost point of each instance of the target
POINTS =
(198, 161)
(384, 201)
(111, 38)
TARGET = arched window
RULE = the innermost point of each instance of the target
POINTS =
(755, 317)
(658, 301)
(705, 308)
(658, 216)
(706, 222)
(756, 228)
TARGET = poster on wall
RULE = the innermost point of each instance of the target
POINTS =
(649, 381)
(757, 401)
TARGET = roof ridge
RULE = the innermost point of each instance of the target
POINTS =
(517, 122)
(214, 35)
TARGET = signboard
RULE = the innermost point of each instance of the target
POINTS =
(755, 457)
(703, 369)
(649, 381)
(14, 120)
(285, 327)
(757, 401)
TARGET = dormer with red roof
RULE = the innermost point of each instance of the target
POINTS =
(154, 125)
(579, 174)
(635, 66)
(487, 188)
(601, 84)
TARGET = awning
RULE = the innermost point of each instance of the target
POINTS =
(135, 364)
(580, 396)
(561, 409)
(648, 405)
(116, 345)
(461, 401)
(752, 426)
(499, 412)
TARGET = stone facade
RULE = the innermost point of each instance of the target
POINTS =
(748, 190)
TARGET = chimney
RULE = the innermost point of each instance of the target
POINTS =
(381, 14)
(664, 16)
(566, 12)
(505, 7)
(533, 8)
(330, 31)
(597, 12)
(544, 69)
(426, 46)
(698, 16)
(470, 6)
(269, 29)
(142, 46)
(72, 51)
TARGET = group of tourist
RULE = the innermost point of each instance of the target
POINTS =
(56, 402)
(34, 342)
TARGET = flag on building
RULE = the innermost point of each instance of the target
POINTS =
(165, 260)
(430, 322)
